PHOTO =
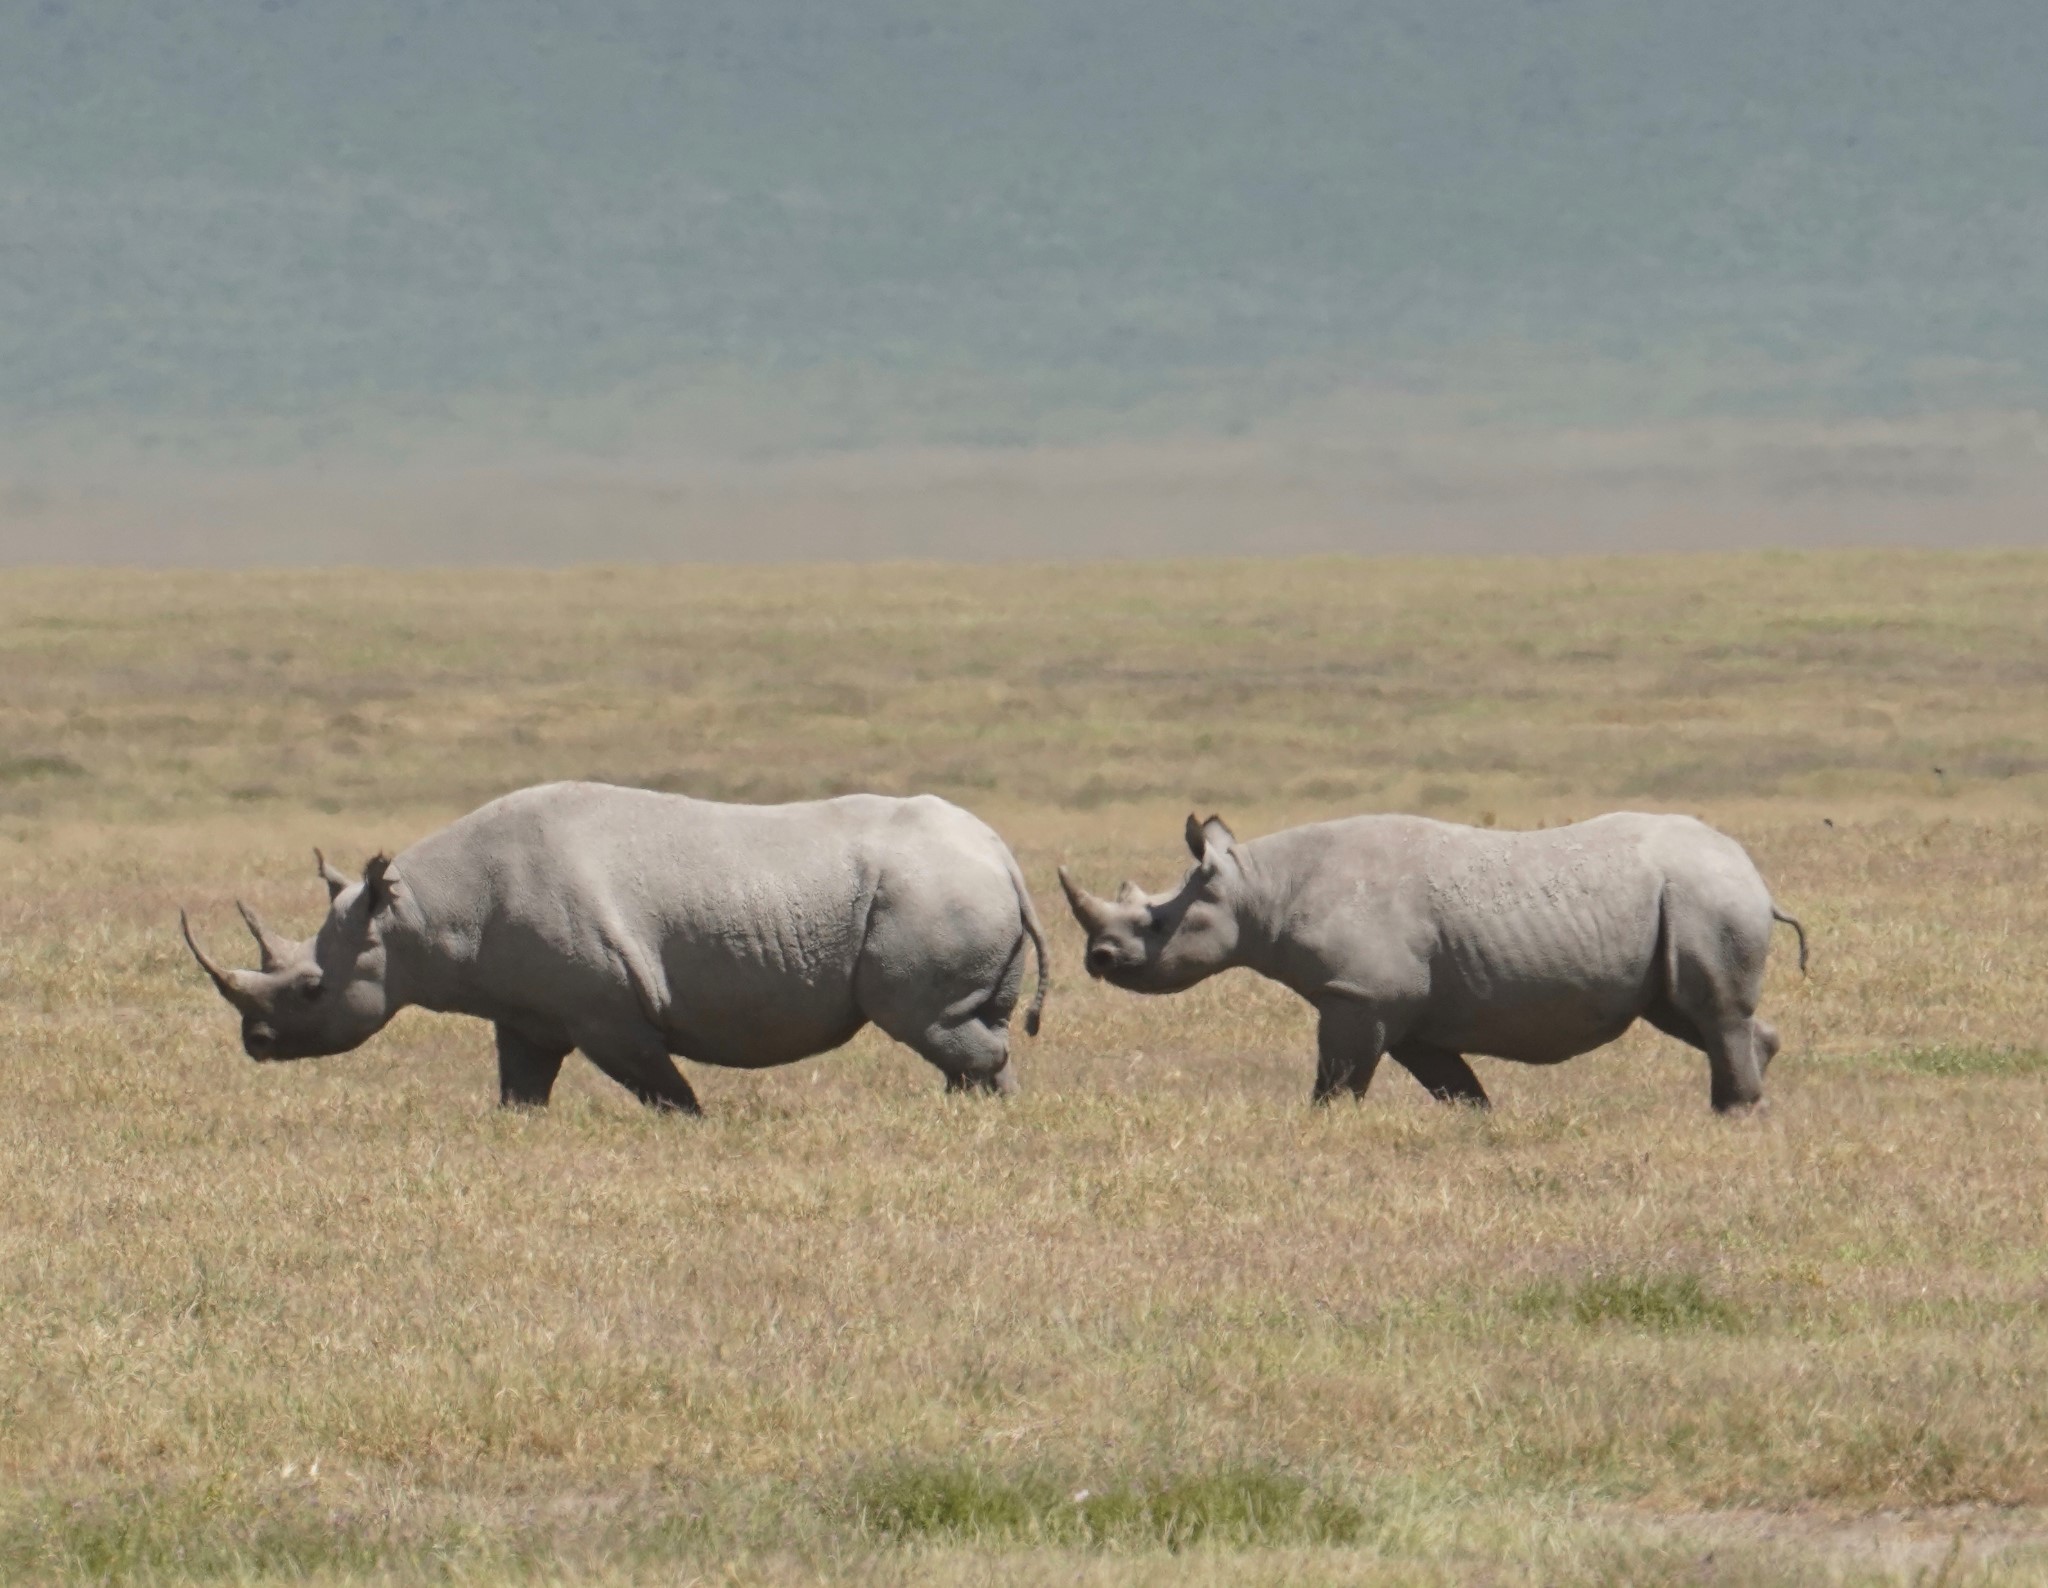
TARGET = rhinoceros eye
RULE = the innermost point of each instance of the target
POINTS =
(311, 991)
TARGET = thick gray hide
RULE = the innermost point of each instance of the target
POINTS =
(1430, 941)
(635, 926)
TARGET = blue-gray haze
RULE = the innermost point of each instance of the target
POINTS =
(1010, 221)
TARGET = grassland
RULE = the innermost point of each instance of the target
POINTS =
(1151, 1321)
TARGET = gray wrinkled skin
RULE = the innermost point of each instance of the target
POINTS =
(1428, 941)
(638, 926)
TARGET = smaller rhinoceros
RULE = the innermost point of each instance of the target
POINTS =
(1429, 941)
(636, 926)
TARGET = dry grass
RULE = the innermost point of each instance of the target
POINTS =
(345, 1321)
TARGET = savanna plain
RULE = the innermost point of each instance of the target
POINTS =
(1152, 1320)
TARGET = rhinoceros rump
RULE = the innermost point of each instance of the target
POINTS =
(635, 926)
(1429, 941)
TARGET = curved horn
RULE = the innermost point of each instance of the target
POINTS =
(226, 981)
(334, 879)
(274, 950)
(1090, 911)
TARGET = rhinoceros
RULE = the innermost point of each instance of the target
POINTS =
(636, 925)
(1428, 941)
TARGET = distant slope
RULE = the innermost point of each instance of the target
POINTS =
(905, 220)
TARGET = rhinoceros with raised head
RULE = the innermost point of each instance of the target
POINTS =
(637, 926)
(1430, 941)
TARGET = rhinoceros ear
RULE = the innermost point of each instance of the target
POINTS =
(1209, 840)
(330, 875)
(378, 883)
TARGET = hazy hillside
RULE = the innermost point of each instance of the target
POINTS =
(276, 225)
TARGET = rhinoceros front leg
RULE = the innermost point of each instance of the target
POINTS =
(1445, 1073)
(1350, 1038)
(527, 1068)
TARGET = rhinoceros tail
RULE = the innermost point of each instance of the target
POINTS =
(1029, 912)
(1791, 921)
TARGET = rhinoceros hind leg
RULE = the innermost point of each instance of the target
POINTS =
(1767, 1045)
(638, 1060)
(1446, 1074)
(527, 1068)
(955, 1016)
(973, 1052)
(1732, 1061)
(1713, 955)
(1673, 1024)
(1737, 1054)
(1349, 1041)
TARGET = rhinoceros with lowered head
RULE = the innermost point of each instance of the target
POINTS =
(1428, 941)
(638, 926)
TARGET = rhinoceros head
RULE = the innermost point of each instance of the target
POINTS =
(1168, 941)
(325, 995)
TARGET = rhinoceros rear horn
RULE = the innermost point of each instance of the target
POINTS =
(272, 949)
(227, 982)
(1090, 911)
(335, 879)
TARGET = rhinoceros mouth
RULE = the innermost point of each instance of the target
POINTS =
(267, 1046)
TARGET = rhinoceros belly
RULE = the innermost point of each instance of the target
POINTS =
(757, 1039)
(762, 976)
(1542, 954)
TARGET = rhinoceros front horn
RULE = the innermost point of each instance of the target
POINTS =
(227, 981)
(1090, 911)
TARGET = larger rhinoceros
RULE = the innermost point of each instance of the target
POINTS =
(1429, 941)
(635, 926)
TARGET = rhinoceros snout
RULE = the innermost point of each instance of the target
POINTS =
(259, 1042)
(1101, 960)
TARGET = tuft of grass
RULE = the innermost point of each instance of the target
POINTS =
(1655, 1303)
(196, 1533)
(23, 768)
(1968, 1059)
(1234, 1506)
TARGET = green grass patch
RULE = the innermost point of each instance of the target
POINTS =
(206, 1532)
(23, 768)
(1655, 1303)
(1231, 1506)
(1968, 1059)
